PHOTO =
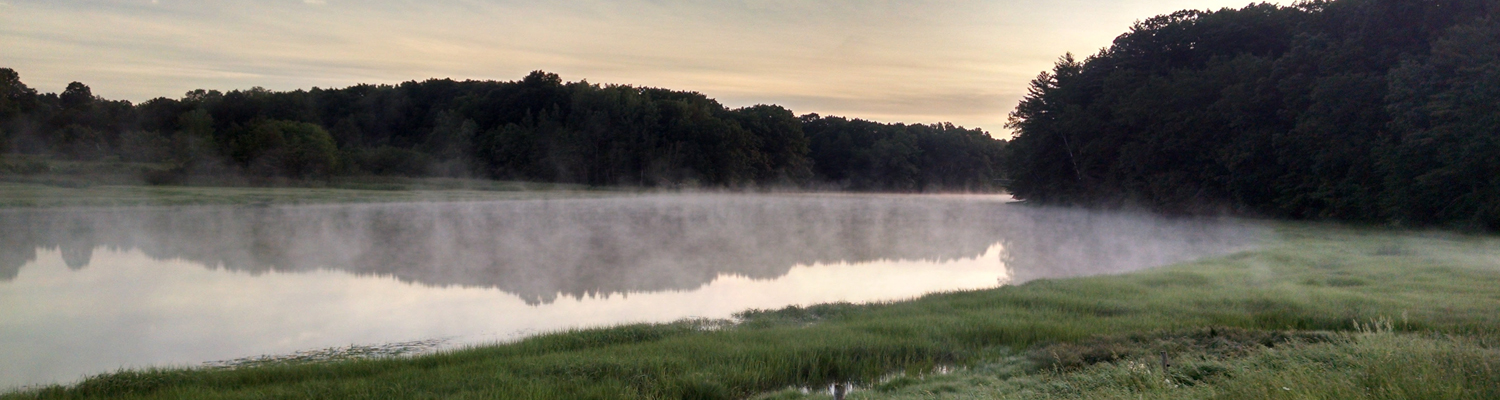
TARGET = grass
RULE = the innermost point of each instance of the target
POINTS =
(31, 181)
(1324, 311)
(31, 194)
(1367, 365)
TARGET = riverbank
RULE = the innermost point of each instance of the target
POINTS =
(1385, 301)
(29, 181)
(39, 192)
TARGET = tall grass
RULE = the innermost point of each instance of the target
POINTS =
(1313, 278)
(1380, 365)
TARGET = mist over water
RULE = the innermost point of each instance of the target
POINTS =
(85, 291)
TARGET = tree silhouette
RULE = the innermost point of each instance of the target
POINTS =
(538, 128)
(1365, 110)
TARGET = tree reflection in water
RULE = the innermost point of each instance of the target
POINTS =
(540, 249)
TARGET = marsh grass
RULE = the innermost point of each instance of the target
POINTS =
(334, 354)
(1383, 365)
(1239, 326)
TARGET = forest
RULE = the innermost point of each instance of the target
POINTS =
(538, 129)
(1374, 111)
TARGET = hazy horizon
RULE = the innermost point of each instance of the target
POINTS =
(961, 61)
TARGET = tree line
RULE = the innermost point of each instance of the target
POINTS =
(538, 128)
(1384, 111)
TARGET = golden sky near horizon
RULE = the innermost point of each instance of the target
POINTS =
(961, 61)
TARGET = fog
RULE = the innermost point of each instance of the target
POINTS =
(539, 249)
(89, 290)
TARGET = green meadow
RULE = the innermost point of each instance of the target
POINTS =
(1318, 311)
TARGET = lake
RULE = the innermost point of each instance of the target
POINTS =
(90, 290)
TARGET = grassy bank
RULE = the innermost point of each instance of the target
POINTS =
(64, 193)
(30, 181)
(1351, 312)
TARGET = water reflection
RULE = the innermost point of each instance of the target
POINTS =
(535, 249)
(88, 290)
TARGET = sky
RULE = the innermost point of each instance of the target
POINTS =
(918, 61)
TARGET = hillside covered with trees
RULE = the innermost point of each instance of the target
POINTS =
(1381, 111)
(536, 129)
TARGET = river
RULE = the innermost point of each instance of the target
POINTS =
(90, 290)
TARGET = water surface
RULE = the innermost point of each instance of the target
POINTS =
(86, 291)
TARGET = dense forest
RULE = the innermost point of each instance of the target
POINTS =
(1384, 111)
(536, 129)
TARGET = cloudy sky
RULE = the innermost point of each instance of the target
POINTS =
(962, 61)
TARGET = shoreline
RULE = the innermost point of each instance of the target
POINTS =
(1312, 278)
